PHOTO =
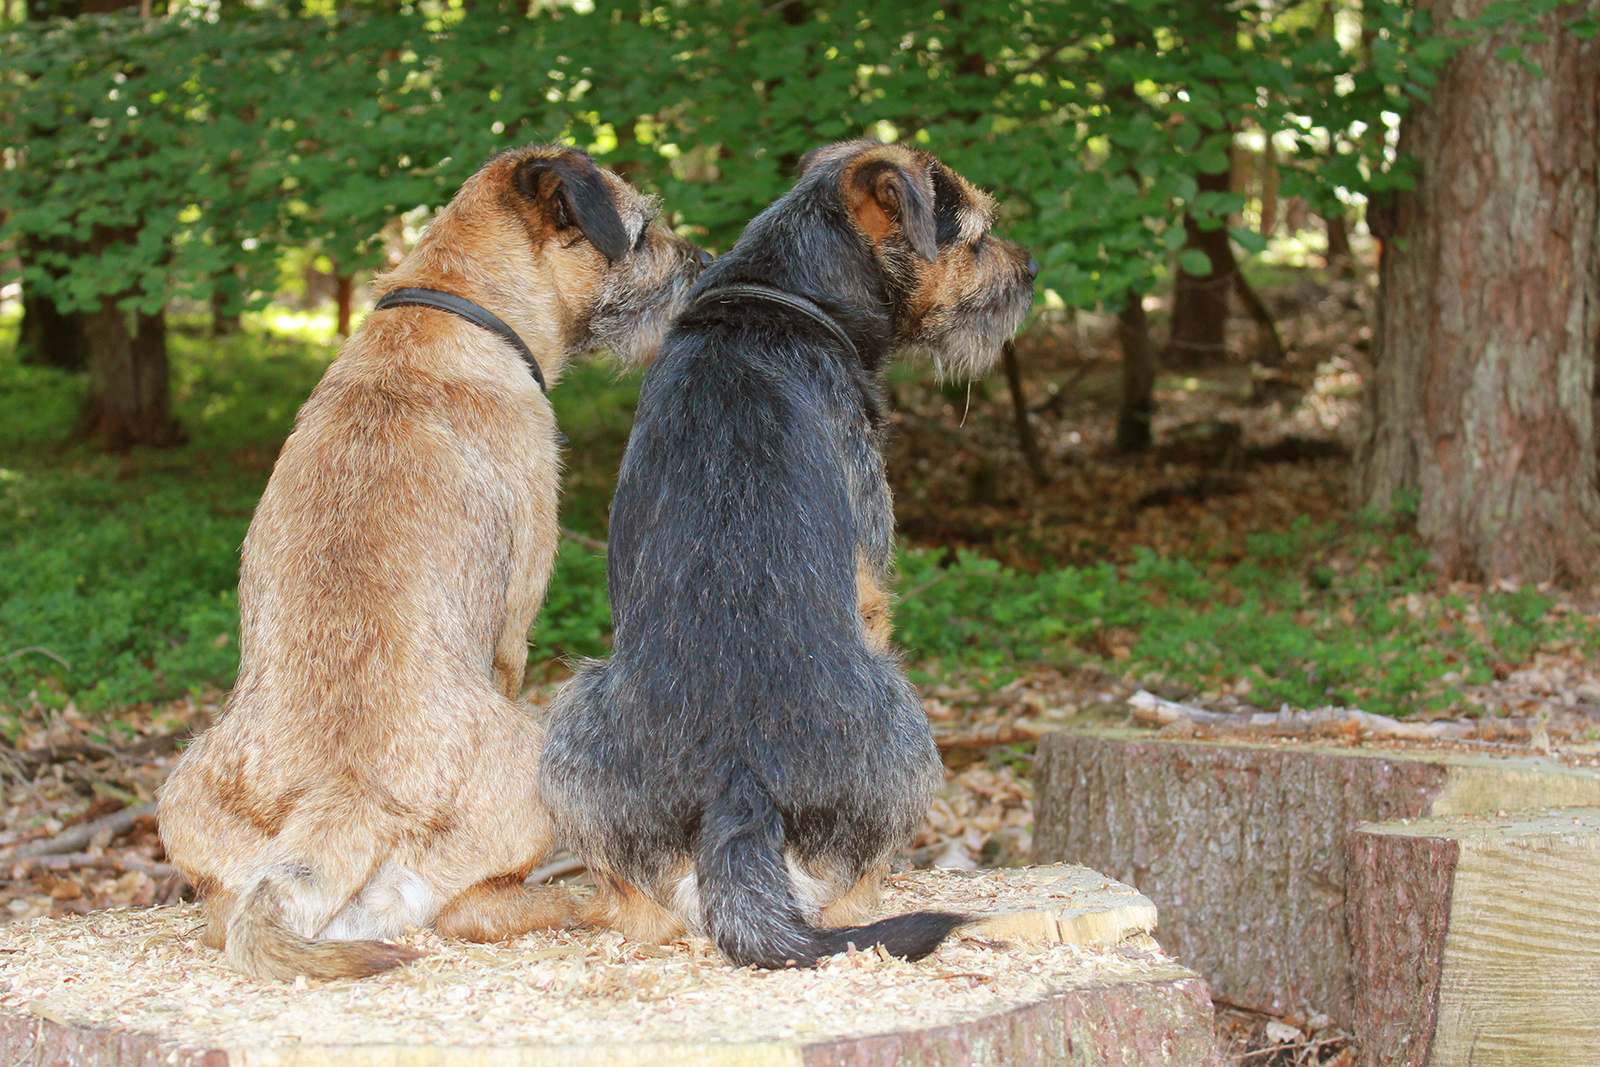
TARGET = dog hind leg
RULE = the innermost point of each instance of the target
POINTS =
(856, 903)
(217, 907)
(619, 905)
(498, 909)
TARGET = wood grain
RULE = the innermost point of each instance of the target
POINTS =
(1515, 977)
(1242, 845)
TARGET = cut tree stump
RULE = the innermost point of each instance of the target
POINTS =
(1062, 971)
(1243, 844)
(1477, 940)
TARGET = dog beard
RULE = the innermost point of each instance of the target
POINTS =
(630, 321)
(963, 343)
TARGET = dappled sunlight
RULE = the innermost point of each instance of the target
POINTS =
(315, 327)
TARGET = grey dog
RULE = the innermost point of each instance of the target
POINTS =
(752, 756)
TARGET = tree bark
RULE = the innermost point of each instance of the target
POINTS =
(128, 402)
(1479, 400)
(50, 337)
(1269, 190)
(1472, 940)
(1138, 375)
(344, 299)
(225, 322)
(1200, 304)
(1339, 255)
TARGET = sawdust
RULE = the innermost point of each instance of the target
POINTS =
(142, 970)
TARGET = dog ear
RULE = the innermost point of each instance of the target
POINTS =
(572, 192)
(808, 159)
(881, 193)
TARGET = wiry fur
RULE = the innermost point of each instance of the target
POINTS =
(752, 757)
(362, 779)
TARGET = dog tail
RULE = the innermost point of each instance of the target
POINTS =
(260, 944)
(748, 902)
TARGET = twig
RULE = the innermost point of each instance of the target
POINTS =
(35, 648)
(76, 837)
(1005, 733)
(587, 542)
(1019, 407)
(1063, 391)
(921, 586)
(15, 769)
(570, 865)
(79, 860)
(33, 758)
(1307, 1046)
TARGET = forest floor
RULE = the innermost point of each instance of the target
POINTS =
(1245, 457)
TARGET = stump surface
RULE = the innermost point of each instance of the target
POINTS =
(135, 987)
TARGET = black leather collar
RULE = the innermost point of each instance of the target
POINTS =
(777, 296)
(473, 313)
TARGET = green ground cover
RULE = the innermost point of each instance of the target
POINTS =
(117, 573)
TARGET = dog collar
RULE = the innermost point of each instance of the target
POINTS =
(789, 300)
(473, 313)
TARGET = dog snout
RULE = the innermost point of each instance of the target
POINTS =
(1032, 268)
(704, 257)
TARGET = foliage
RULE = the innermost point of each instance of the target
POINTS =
(122, 585)
(1317, 615)
(185, 151)
(148, 158)
(594, 407)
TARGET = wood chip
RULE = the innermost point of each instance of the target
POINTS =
(143, 971)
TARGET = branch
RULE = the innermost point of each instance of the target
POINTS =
(587, 542)
(76, 837)
(35, 648)
(1151, 710)
(80, 860)
(33, 758)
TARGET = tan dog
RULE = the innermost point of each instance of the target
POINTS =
(371, 771)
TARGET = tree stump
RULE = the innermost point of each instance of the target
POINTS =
(1062, 970)
(1475, 940)
(1244, 844)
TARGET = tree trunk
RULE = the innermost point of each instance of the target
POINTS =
(1339, 255)
(1478, 403)
(1269, 190)
(50, 337)
(344, 296)
(128, 402)
(1200, 304)
(1019, 409)
(224, 322)
(1138, 375)
(1269, 342)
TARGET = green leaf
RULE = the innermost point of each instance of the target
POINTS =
(1195, 262)
(1249, 240)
